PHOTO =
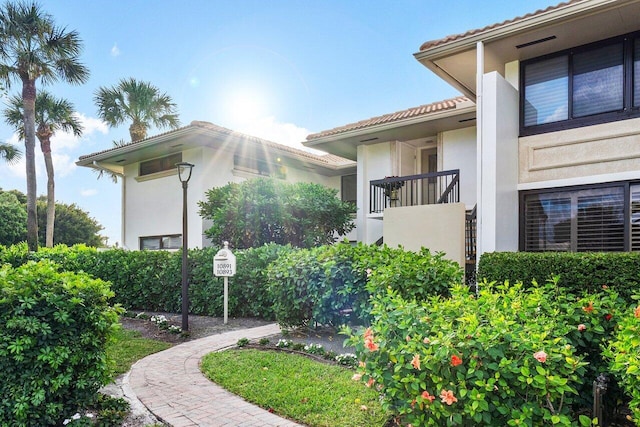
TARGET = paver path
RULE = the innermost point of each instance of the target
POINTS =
(171, 386)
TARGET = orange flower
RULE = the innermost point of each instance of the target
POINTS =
(589, 308)
(636, 312)
(368, 340)
(416, 362)
(582, 327)
(455, 360)
(426, 341)
(608, 316)
(427, 396)
(371, 345)
(370, 382)
(446, 396)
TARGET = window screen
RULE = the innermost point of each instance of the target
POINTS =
(598, 81)
(635, 218)
(546, 91)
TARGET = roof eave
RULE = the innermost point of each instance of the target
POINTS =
(430, 55)
(389, 126)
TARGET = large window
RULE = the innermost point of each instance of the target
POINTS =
(591, 84)
(160, 164)
(156, 243)
(593, 218)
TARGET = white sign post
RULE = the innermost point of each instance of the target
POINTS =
(224, 265)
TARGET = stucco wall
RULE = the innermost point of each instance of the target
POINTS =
(374, 162)
(437, 227)
(607, 148)
(459, 152)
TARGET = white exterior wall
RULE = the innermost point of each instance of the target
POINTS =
(459, 152)
(498, 177)
(154, 206)
(440, 228)
(374, 162)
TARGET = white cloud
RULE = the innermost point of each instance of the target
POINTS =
(88, 192)
(115, 50)
(63, 164)
(92, 125)
(282, 133)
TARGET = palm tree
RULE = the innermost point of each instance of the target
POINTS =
(32, 47)
(9, 153)
(51, 115)
(138, 102)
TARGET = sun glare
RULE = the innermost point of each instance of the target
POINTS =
(246, 105)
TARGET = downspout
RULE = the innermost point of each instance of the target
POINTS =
(479, 162)
(123, 205)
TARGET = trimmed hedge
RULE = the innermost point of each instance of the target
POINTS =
(151, 280)
(52, 343)
(585, 271)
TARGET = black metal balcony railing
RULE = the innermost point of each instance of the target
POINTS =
(414, 190)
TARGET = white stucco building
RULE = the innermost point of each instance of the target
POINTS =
(152, 193)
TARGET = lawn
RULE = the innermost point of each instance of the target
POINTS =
(296, 387)
(129, 347)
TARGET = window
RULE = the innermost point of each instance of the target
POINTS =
(591, 84)
(260, 167)
(582, 219)
(348, 188)
(155, 243)
(160, 164)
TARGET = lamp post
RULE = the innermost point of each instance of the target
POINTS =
(184, 174)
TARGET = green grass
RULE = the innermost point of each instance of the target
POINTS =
(296, 387)
(129, 347)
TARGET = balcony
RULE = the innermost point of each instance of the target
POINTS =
(414, 190)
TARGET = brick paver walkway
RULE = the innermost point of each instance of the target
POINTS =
(172, 387)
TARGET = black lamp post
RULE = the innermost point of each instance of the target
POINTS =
(184, 174)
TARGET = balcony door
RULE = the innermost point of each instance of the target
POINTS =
(429, 164)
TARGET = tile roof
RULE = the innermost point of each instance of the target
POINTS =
(327, 159)
(422, 110)
(454, 37)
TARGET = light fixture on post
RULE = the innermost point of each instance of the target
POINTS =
(184, 174)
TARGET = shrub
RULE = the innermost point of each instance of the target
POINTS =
(578, 271)
(331, 285)
(52, 344)
(501, 358)
(623, 354)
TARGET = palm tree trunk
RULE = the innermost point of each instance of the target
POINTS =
(45, 145)
(137, 131)
(29, 103)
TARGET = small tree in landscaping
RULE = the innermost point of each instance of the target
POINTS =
(262, 211)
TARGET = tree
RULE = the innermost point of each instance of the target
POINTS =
(32, 47)
(264, 210)
(73, 225)
(13, 219)
(138, 102)
(9, 152)
(52, 114)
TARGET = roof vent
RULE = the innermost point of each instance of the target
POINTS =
(545, 39)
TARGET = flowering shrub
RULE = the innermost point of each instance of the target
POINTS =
(500, 358)
(623, 354)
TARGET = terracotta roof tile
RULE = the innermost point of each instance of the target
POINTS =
(327, 159)
(454, 37)
(422, 110)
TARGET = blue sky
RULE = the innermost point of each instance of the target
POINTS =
(277, 69)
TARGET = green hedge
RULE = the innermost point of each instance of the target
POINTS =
(332, 285)
(579, 272)
(55, 327)
(151, 280)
